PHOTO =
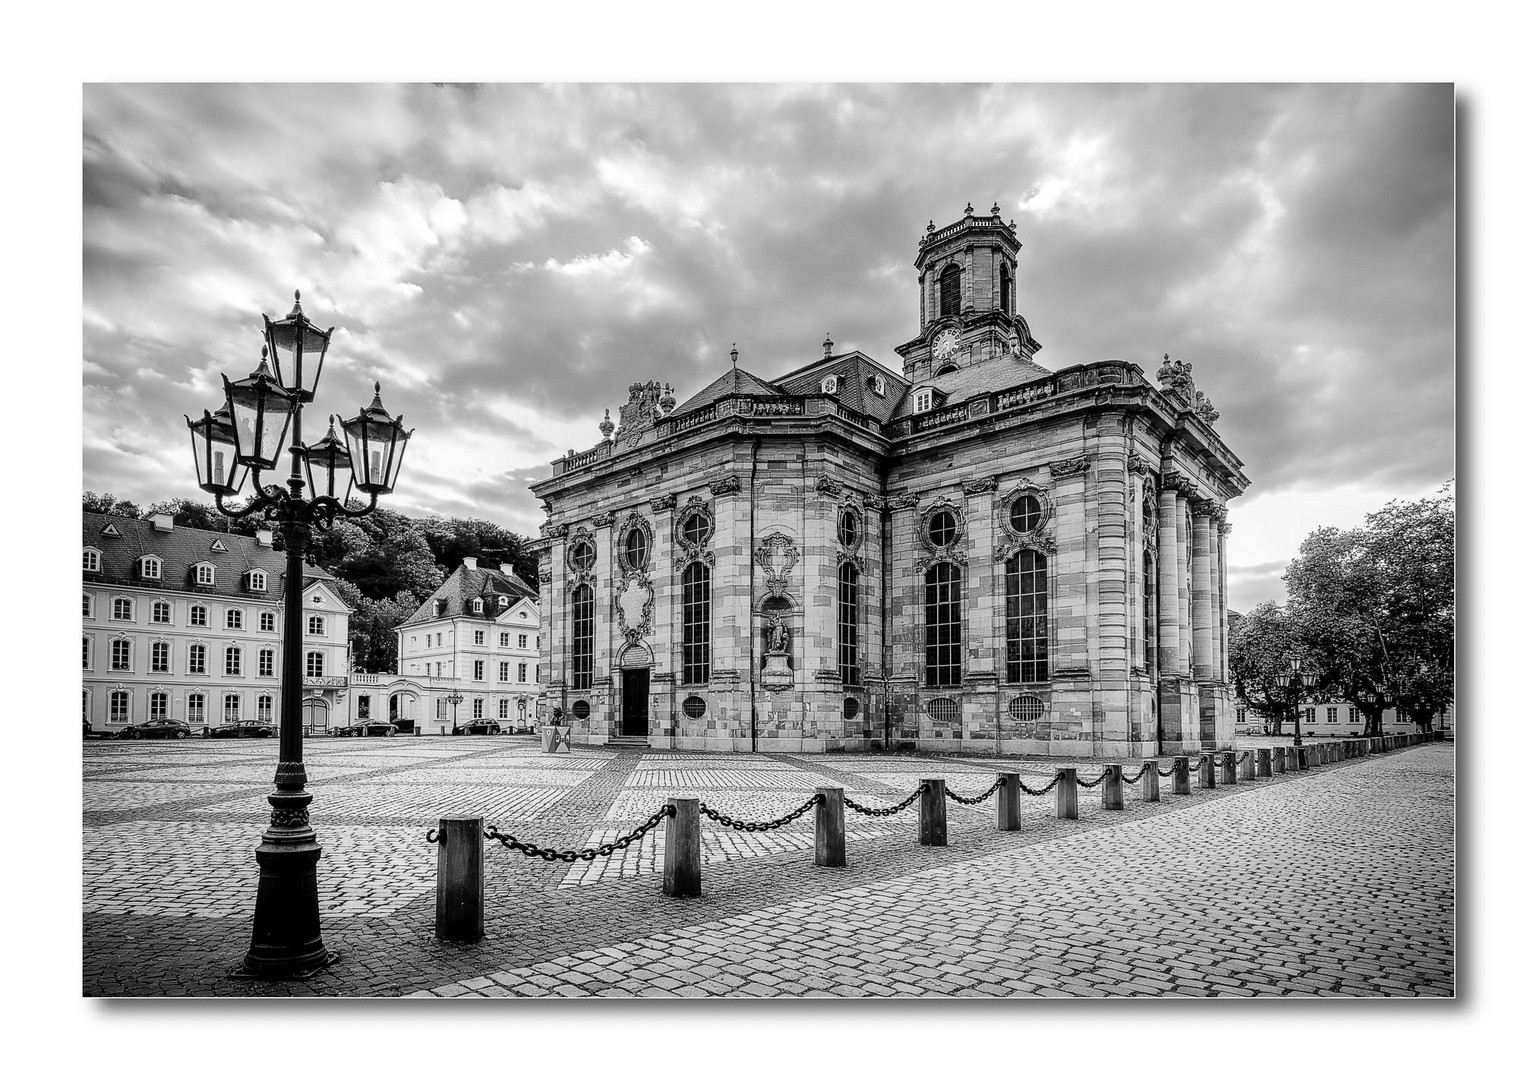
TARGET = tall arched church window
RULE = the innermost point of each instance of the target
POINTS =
(848, 624)
(1025, 628)
(581, 637)
(1005, 301)
(696, 623)
(950, 291)
(942, 625)
(1149, 611)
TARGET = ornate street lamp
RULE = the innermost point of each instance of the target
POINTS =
(248, 434)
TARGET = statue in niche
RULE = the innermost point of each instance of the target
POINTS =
(776, 667)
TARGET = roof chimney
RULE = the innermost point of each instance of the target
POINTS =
(161, 522)
(507, 569)
(469, 562)
(264, 538)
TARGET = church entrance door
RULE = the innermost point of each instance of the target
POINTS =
(633, 713)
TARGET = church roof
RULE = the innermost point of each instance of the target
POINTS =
(856, 373)
(987, 377)
(465, 584)
(736, 382)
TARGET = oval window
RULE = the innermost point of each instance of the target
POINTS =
(1025, 514)
(581, 710)
(695, 528)
(635, 550)
(848, 528)
(944, 710)
(942, 529)
(1027, 708)
(582, 556)
(850, 708)
(693, 707)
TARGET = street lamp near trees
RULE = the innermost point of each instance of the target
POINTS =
(1300, 682)
(246, 436)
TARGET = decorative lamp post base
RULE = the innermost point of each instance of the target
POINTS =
(285, 933)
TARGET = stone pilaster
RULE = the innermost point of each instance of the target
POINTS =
(1169, 570)
(1201, 591)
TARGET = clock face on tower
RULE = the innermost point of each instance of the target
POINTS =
(946, 344)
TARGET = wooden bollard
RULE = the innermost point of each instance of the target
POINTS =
(1182, 776)
(931, 814)
(1008, 803)
(1291, 759)
(1150, 780)
(1114, 797)
(1304, 757)
(1067, 793)
(680, 867)
(1278, 759)
(1262, 763)
(830, 847)
(1229, 767)
(461, 879)
(1246, 765)
(1208, 771)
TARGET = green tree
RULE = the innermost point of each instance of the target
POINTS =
(1259, 653)
(93, 503)
(452, 539)
(1377, 607)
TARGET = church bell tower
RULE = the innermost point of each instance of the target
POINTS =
(967, 299)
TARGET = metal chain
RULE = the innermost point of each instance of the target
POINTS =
(760, 826)
(1031, 791)
(1138, 775)
(432, 836)
(998, 783)
(587, 854)
(1095, 782)
(898, 808)
(1243, 757)
(1168, 774)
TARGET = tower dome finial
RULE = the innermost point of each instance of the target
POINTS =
(734, 354)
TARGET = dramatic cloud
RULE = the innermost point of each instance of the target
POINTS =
(506, 259)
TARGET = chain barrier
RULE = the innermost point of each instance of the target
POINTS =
(432, 836)
(1138, 775)
(998, 783)
(1168, 774)
(898, 808)
(1095, 782)
(1045, 790)
(760, 826)
(586, 854)
(1243, 757)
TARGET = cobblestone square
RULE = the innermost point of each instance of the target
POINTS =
(1334, 881)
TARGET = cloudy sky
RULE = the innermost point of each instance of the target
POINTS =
(506, 259)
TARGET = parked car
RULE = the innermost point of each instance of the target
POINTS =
(243, 729)
(367, 727)
(479, 727)
(157, 729)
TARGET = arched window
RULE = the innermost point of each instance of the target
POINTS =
(1005, 299)
(159, 705)
(950, 291)
(848, 528)
(234, 619)
(264, 663)
(195, 714)
(582, 555)
(117, 707)
(231, 708)
(264, 708)
(258, 580)
(696, 529)
(149, 567)
(197, 615)
(1025, 632)
(160, 612)
(581, 637)
(942, 625)
(696, 622)
(848, 624)
(232, 660)
(1149, 612)
(197, 659)
(317, 624)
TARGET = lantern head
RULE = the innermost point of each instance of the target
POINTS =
(219, 471)
(376, 442)
(261, 410)
(298, 348)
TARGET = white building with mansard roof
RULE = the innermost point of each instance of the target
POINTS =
(975, 554)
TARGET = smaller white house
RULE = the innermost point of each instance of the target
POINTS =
(470, 652)
(1341, 719)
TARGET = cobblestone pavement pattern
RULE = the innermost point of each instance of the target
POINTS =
(1336, 881)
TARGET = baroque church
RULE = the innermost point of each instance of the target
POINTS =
(977, 555)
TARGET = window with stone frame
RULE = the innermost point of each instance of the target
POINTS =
(196, 709)
(87, 605)
(159, 705)
(117, 706)
(503, 670)
(696, 623)
(478, 709)
(122, 655)
(149, 568)
(197, 615)
(122, 609)
(848, 624)
(581, 637)
(160, 612)
(265, 660)
(942, 625)
(160, 657)
(502, 639)
(316, 625)
(232, 660)
(232, 708)
(85, 653)
(1025, 618)
(950, 291)
(264, 708)
(1149, 612)
(480, 637)
(314, 665)
(205, 574)
(197, 660)
(480, 671)
(234, 619)
(90, 561)
(522, 673)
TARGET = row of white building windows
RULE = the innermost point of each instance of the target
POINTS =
(503, 640)
(197, 615)
(1310, 715)
(121, 659)
(120, 707)
(478, 709)
(503, 671)
(150, 568)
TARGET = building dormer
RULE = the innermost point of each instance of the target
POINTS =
(256, 580)
(439, 608)
(477, 606)
(90, 561)
(150, 567)
(926, 399)
(203, 575)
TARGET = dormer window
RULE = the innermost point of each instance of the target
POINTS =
(830, 384)
(203, 573)
(878, 384)
(923, 400)
(90, 561)
(501, 603)
(256, 581)
(149, 568)
(217, 545)
(438, 607)
(477, 606)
